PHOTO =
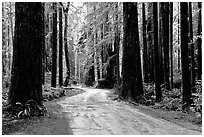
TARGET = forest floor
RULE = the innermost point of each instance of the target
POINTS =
(96, 111)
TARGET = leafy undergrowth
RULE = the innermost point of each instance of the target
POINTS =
(50, 93)
(172, 101)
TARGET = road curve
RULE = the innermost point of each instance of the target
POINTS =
(92, 113)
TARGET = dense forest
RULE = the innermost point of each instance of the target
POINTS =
(149, 52)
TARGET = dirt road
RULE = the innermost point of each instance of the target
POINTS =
(93, 113)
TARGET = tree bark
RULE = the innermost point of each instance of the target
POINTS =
(165, 20)
(131, 68)
(192, 48)
(66, 82)
(54, 47)
(150, 52)
(199, 42)
(156, 54)
(145, 73)
(95, 56)
(179, 59)
(171, 43)
(26, 79)
(43, 51)
(184, 55)
(161, 57)
(117, 46)
(60, 49)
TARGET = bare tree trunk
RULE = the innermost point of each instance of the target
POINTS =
(171, 43)
(165, 19)
(66, 82)
(54, 47)
(11, 23)
(156, 54)
(43, 50)
(179, 59)
(161, 56)
(131, 68)
(184, 56)
(60, 49)
(26, 79)
(95, 56)
(192, 48)
(145, 73)
(117, 45)
(199, 41)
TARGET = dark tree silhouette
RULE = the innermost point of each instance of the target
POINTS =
(54, 46)
(66, 82)
(26, 79)
(171, 42)
(60, 49)
(150, 50)
(165, 23)
(145, 73)
(131, 68)
(179, 59)
(192, 47)
(184, 55)
(161, 58)
(156, 54)
(117, 45)
(199, 42)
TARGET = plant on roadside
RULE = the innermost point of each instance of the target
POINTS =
(25, 110)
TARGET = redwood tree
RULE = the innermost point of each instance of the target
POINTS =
(54, 46)
(117, 45)
(131, 62)
(184, 55)
(66, 82)
(145, 74)
(26, 79)
(156, 54)
(165, 24)
(60, 49)
(171, 42)
(192, 47)
(199, 41)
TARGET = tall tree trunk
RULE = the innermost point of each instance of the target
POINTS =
(11, 22)
(26, 79)
(192, 48)
(145, 73)
(199, 41)
(150, 38)
(60, 49)
(171, 43)
(8, 47)
(131, 68)
(161, 57)
(156, 54)
(95, 55)
(165, 21)
(179, 59)
(43, 51)
(54, 47)
(3, 38)
(66, 82)
(184, 55)
(117, 45)
(76, 64)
